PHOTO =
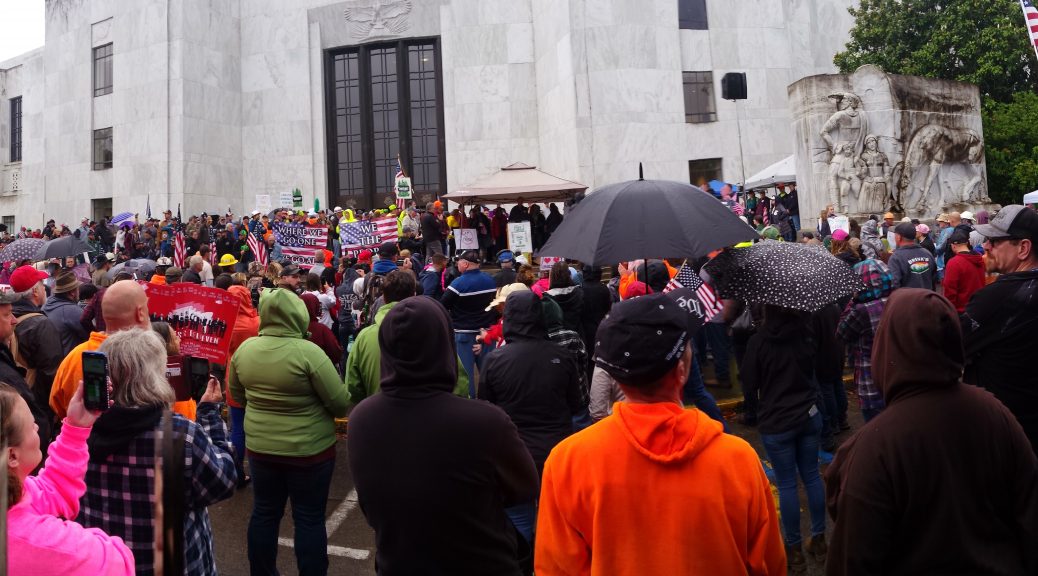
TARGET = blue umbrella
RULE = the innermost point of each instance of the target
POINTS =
(121, 217)
(715, 185)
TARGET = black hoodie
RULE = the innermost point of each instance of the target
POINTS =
(779, 366)
(434, 472)
(533, 379)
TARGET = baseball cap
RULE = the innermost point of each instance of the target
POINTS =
(922, 228)
(1013, 221)
(967, 215)
(905, 230)
(173, 273)
(959, 237)
(25, 277)
(642, 338)
(164, 261)
(290, 270)
(256, 212)
(364, 256)
(470, 255)
(840, 234)
(337, 209)
(388, 250)
(505, 256)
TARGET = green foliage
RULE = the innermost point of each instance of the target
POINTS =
(983, 42)
(1011, 147)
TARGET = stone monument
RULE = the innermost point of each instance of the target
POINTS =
(872, 142)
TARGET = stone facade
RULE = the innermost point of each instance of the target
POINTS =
(870, 142)
(217, 101)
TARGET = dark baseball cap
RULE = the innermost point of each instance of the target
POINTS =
(905, 230)
(641, 339)
(959, 237)
(388, 250)
(290, 270)
(1013, 221)
(470, 255)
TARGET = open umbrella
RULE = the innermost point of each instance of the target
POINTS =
(24, 249)
(62, 247)
(785, 274)
(646, 219)
(143, 268)
(121, 217)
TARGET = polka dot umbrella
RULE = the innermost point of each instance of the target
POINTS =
(784, 274)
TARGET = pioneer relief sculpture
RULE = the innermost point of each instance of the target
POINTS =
(932, 148)
(844, 176)
(375, 18)
(875, 170)
(848, 124)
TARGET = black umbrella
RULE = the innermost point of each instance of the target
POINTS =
(24, 249)
(142, 267)
(62, 247)
(646, 219)
(785, 274)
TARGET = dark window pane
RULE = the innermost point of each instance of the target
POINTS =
(700, 172)
(699, 97)
(16, 129)
(103, 70)
(692, 14)
(103, 149)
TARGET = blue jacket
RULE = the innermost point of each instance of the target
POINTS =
(431, 285)
(467, 299)
(384, 267)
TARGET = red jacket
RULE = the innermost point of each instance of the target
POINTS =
(963, 275)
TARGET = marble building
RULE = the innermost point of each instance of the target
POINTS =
(208, 104)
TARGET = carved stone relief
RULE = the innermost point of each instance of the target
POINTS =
(377, 18)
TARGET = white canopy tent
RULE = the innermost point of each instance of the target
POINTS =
(782, 172)
(1031, 197)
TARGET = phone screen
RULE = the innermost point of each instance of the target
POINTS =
(199, 368)
(95, 381)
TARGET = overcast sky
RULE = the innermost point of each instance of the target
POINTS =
(21, 27)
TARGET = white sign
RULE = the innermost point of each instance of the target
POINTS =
(403, 188)
(467, 238)
(519, 237)
(548, 261)
(839, 222)
(263, 203)
(285, 199)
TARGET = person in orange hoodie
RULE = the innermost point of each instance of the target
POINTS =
(246, 326)
(654, 469)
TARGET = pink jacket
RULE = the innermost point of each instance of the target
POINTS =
(39, 542)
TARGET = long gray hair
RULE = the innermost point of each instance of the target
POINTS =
(137, 366)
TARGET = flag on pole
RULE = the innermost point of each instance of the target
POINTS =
(178, 249)
(212, 253)
(258, 248)
(147, 210)
(1031, 21)
(399, 169)
(687, 278)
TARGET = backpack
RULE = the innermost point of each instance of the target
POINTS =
(372, 291)
(19, 359)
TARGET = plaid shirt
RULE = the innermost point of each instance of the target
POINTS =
(120, 491)
(858, 328)
(571, 341)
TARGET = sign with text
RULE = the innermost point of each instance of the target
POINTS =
(299, 242)
(263, 203)
(357, 236)
(519, 237)
(203, 317)
(548, 261)
(467, 239)
(403, 188)
(839, 222)
(285, 199)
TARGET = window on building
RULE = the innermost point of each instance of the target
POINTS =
(384, 101)
(700, 172)
(102, 149)
(8, 221)
(103, 70)
(692, 14)
(699, 97)
(16, 129)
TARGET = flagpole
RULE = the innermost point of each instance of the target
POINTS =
(1030, 37)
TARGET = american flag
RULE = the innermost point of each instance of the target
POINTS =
(178, 249)
(687, 278)
(356, 236)
(212, 253)
(399, 170)
(258, 247)
(299, 242)
(1031, 20)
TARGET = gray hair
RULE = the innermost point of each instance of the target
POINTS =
(194, 260)
(137, 367)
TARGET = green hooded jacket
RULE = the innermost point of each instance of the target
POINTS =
(364, 364)
(291, 392)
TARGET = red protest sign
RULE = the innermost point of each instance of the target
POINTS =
(203, 317)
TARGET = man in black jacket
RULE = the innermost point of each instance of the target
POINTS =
(39, 349)
(437, 505)
(1000, 326)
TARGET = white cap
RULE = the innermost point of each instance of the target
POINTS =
(967, 215)
(520, 259)
(906, 219)
(312, 214)
(256, 212)
(337, 209)
(164, 261)
(110, 256)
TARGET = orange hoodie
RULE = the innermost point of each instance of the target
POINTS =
(656, 489)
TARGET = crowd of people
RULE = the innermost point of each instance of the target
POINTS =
(515, 418)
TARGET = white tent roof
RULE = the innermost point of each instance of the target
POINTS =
(517, 182)
(1031, 197)
(782, 172)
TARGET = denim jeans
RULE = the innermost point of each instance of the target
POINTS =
(795, 221)
(695, 392)
(715, 335)
(238, 438)
(833, 405)
(469, 360)
(524, 518)
(789, 452)
(307, 487)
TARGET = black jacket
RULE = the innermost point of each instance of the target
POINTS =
(431, 229)
(778, 366)
(829, 357)
(597, 302)
(225, 245)
(1000, 334)
(11, 375)
(435, 472)
(39, 343)
(533, 379)
(571, 301)
(191, 276)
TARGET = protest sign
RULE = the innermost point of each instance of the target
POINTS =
(467, 239)
(548, 261)
(839, 222)
(403, 188)
(285, 199)
(357, 236)
(203, 317)
(519, 237)
(299, 242)
(263, 203)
